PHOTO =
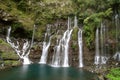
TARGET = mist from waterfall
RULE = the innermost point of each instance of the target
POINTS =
(46, 45)
(80, 44)
(25, 50)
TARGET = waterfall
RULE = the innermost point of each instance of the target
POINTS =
(100, 57)
(65, 47)
(97, 51)
(56, 57)
(117, 54)
(25, 51)
(102, 35)
(104, 57)
(80, 43)
(75, 22)
(60, 57)
(46, 45)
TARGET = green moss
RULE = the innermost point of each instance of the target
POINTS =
(8, 63)
(3, 43)
(40, 33)
(114, 74)
(11, 63)
(16, 63)
(1, 62)
(74, 46)
(9, 55)
(6, 51)
(75, 33)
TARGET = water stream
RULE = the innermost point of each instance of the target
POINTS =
(25, 50)
(80, 43)
(46, 45)
(97, 51)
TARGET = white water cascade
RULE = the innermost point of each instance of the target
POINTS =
(117, 24)
(100, 53)
(104, 58)
(65, 47)
(46, 45)
(80, 43)
(60, 57)
(56, 57)
(25, 50)
(97, 52)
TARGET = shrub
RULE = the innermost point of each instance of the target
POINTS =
(114, 74)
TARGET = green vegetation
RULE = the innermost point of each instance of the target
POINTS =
(75, 34)
(91, 23)
(11, 63)
(90, 14)
(2, 42)
(10, 55)
(5, 51)
(7, 55)
(114, 74)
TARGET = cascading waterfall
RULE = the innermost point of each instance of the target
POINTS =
(64, 42)
(100, 58)
(97, 51)
(62, 49)
(56, 57)
(117, 54)
(46, 45)
(80, 43)
(25, 51)
(103, 54)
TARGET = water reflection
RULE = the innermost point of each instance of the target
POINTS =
(42, 72)
(45, 72)
(65, 74)
(23, 71)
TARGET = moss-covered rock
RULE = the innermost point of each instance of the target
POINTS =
(11, 63)
(75, 33)
(7, 52)
(7, 55)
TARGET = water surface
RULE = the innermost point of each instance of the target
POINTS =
(45, 72)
